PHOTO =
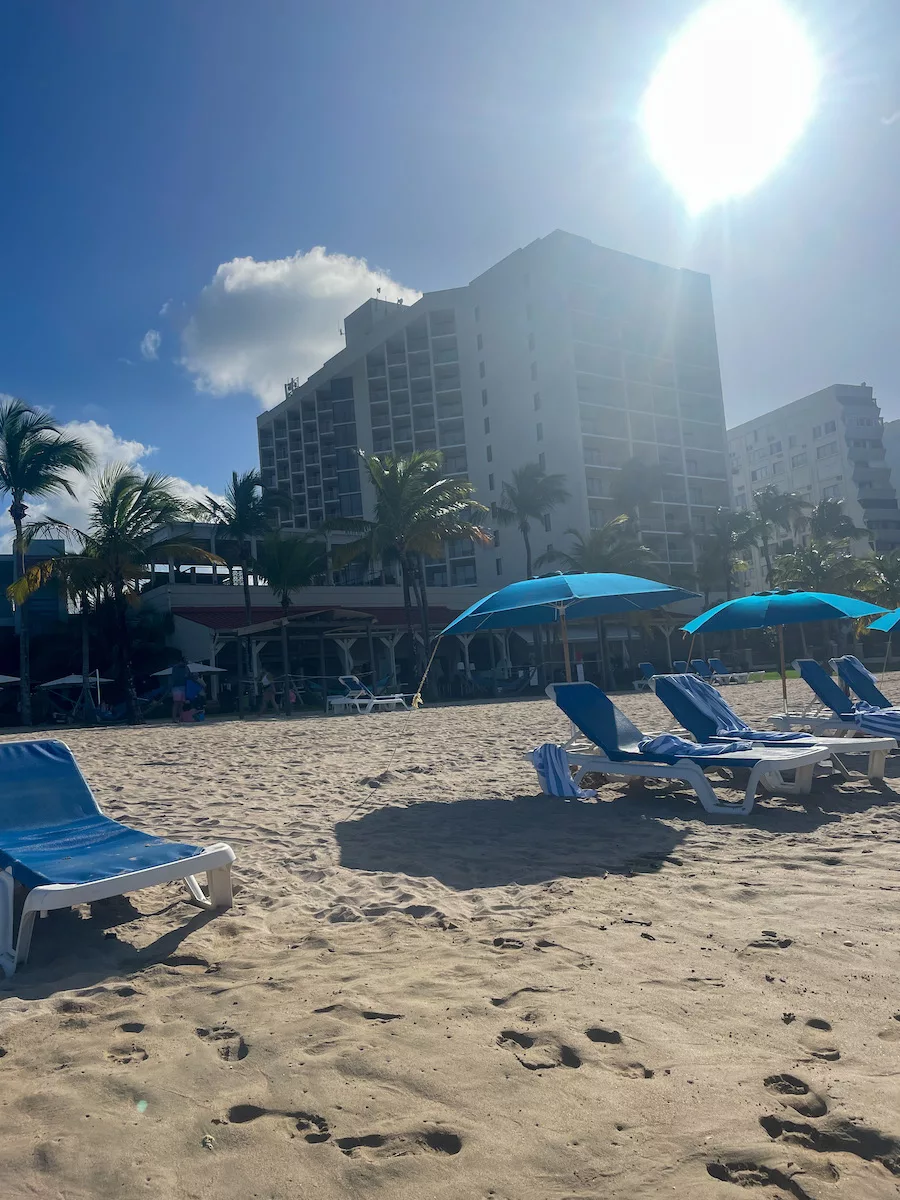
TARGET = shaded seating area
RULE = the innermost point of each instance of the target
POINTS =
(55, 841)
(835, 709)
(617, 747)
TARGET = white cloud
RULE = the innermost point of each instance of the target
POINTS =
(108, 448)
(150, 344)
(165, 308)
(258, 324)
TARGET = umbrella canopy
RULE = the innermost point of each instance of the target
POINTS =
(888, 623)
(195, 669)
(765, 610)
(72, 680)
(9, 679)
(545, 601)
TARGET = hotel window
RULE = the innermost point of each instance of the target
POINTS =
(547, 524)
(542, 461)
(498, 562)
(490, 454)
(827, 450)
(817, 431)
(480, 341)
(484, 397)
(539, 430)
(829, 427)
(537, 401)
(477, 313)
(487, 424)
(496, 534)
(481, 370)
(490, 483)
(798, 460)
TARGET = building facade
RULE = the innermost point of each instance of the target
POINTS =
(564, 353)
(829, 444)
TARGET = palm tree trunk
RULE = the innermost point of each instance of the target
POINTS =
(407, 606)
(248, 605)
(17, 511)
(285, 663)
(121, 609)
(88, 712)
(527, 541)
(767, 555)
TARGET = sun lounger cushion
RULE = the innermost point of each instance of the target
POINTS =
(52, 830)
(705, 713)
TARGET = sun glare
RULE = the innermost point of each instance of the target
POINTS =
(729, 99)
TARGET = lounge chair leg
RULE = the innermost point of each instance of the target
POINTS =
(876, 765)
(219, 884)
(23, 942)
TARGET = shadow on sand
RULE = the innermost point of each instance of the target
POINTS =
(474, 843)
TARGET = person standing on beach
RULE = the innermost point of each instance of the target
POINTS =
(180, 677)
(268, 694)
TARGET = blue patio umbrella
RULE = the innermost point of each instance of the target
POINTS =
(887, 624)
(769, 610)
(560, 598)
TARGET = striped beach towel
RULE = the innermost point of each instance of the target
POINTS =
(884, 722)
(552, 765)
(667, 745)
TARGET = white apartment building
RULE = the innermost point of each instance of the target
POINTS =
(564, 353)
(827, 444)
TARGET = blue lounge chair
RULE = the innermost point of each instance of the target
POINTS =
(55, 841)
(708, 717)
(721, 674)
(861, 681)
(840, 713)
(680, 667)
(700, 667)
(618, 747)
(647, 671)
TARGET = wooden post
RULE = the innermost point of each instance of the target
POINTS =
(240, 677)
(493, 651)
(783, 673)
(322, 671)
(372, 664)
(564, 633)
(286, 669)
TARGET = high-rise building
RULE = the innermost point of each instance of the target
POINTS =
(564, 353)
(828, 444)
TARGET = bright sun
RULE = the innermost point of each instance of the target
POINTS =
(731, 96)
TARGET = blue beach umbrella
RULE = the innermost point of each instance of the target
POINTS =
(769, 610)
(561, 598)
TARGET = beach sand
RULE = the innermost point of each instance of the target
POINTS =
(436, 984)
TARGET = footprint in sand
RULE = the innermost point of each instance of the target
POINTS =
(750, 1174)
(502, 1001)
(506, 943)
(538, 1052)
(770, 940)
(127, 1054)
(819, 1046)
(395, 1145)
(347, 1011)
(892, 1033)
(228, 1042)
(631, 1070)
(609, 1037)
(837, 1135)
(313, 1127)
(796, 1094)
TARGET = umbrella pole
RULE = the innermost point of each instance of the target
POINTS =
(887, 655)
(564, 633)
(783, 673)
(690, 651)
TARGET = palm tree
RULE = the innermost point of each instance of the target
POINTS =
(417, 510)
(828, 520)
(36, 460)
(247, 513)
(612, 548)
(530, 497)
(126, 513)
(635, 486)
(884, 588)
(723, 548)
(825, 566)
(288, 564)
(776, 510)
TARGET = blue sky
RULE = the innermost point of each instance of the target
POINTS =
(147, 147)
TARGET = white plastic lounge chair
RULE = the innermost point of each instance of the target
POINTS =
(708, 717)
(721, 674)
(55, 841)
(834, 711)
(616, 743)
(360, 698)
